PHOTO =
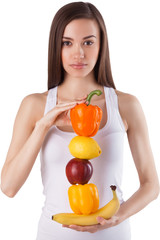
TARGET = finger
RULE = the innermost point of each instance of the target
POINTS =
(84, 97)
(70, 103)
(91, 229)
(61, 110)
(64, 225)
(65, 108)
(101, 220)
(66, 104)
(76, 227)
(81, 101)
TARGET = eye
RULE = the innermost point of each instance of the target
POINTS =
(88, 43)
(66, 43)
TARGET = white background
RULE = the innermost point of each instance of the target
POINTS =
(134, 37)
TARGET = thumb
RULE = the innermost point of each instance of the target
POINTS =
(101, 220)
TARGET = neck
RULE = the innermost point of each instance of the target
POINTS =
(75, 87)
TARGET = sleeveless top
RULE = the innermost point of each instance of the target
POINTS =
(107, 168)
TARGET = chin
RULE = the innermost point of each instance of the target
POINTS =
(79, 73)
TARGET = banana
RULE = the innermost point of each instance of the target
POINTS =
(106, 212)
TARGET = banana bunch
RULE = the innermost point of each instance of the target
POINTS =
(106, 212)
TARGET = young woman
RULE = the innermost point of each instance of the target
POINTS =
(78, 62)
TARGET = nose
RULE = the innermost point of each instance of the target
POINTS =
(78, 52)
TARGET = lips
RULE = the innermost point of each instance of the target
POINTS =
(78, 65)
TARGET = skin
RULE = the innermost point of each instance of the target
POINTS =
(31, 127)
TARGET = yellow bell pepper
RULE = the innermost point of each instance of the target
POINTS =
(83, 199)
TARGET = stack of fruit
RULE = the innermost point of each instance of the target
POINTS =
(85, 119)
(84, 197)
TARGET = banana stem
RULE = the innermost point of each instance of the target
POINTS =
(113, 187)
(90, 95)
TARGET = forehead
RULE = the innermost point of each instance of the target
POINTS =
(81, 28)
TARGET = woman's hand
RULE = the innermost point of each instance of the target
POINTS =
(102, 224)
(59, 115)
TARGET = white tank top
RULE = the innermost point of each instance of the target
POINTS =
(107, 169)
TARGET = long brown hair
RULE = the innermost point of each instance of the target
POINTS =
(66, 14)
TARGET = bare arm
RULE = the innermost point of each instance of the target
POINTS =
(138, 138)
(30, 129)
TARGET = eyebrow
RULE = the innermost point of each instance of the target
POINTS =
(83, 38)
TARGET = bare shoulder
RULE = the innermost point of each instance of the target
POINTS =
(126, 98)
(34, 104)
(129, 107)
(36, 98)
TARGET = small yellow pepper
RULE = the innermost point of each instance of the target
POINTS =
(83, 199)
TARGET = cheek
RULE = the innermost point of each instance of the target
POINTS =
(64, 57)
(97, 52)
(94, 55)
(64, 53)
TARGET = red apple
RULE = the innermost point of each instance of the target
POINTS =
(79, 171)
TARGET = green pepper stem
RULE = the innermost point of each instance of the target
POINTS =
(90, 95)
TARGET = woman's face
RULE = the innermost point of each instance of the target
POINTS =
(80, 47)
